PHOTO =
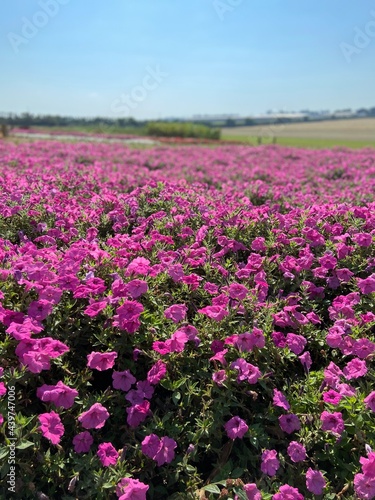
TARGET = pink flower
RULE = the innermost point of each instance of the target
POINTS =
(367, 285)
(191, 332)
(40, 309)
(258, 338)
(211, 288)
(237, 291)
(236, 428)
(136, 288)
(296, 451)
(364, 486)
(252, 491)
(1, 419)
(123, 380)
(95, 417)
(370, 401)
(270, 463)
(157, 372)
(94, 308)
(160, 450)
(219, 377)
(160, 347)
(279, 339)
(258, 244)
(176, 313)
(131, 489)
(101, 360)
(51, 426)
(220, 356)
(363, 239)
(221, 300)
(59, 394)
(363, 348)
(214, 312)
(346, 390)
(107, 454)
(332, 422)
(50, 294)
(368, 464)
(289, 423)
(306, 361)
(82, 442)
(315, 481)
(280, 400)
(175, 344)
(3, 389)
(243, 342)
(355, 368)
(36, 361)
(334, 336)
(127, 317)
(138, 413)
(246, 371)
(332, 397)
(53, 348)
(176, 272)
(140, 265)
(287, 492)
(332, 374)
(144, 391)
(296, 343)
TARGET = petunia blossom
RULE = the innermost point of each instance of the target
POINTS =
(94, 418)
(157, 372)
(159, 449)
(59, 394)
(315, 481)
(280, 400)
(287, 492)
(123, 380)
(51, 426)
(131, 489)
(270, 463)
(355, 368)
(289, 423)
(176, 313)
(82, 442)
(236, 427)
(296, 451)
(101, 360)
(107, 454)
(332, 422)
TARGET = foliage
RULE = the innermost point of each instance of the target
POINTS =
(183, 129)
(214, 308)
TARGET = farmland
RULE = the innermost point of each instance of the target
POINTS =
(353, 133)
(186, 322)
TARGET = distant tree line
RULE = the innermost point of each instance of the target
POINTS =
(367, 111)
(27, 120)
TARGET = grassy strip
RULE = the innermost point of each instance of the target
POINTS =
(301, 142)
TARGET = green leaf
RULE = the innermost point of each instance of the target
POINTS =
(24, 445)
(237, 472)
(176, 397)
(107, 486)
(212, 488)
(240, 494)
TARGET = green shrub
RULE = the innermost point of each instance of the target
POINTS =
(163, 129)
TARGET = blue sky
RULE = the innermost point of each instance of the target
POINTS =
(90, 58)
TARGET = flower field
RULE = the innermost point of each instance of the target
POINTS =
(186, 322)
